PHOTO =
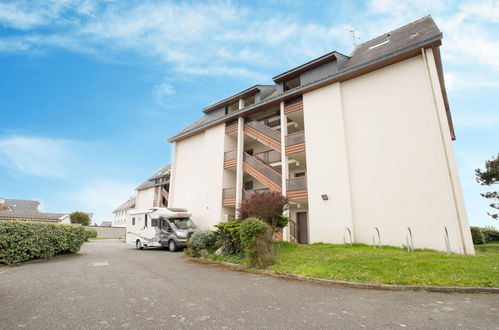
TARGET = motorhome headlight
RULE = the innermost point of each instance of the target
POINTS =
(181, 234)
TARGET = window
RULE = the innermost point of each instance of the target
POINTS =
(299, 175)
(248, 185)
(293, 83)
(145, 220)
(133, 221)
(154, 223)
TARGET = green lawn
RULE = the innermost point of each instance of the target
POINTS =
(387, 265)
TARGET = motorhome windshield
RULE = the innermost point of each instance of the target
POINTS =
(183, 223)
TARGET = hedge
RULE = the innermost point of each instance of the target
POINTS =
(90, 233)
(477, 235)
(27, 240)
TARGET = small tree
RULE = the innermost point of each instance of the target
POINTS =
(80, 217)
(3, 207)
(267, 206)
(488, 177)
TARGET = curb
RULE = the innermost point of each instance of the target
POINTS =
(346, 284)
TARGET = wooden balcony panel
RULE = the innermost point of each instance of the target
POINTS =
(276, 145)
(230, 128)
(229, 202)
(261, 178)
(297, 194)
(230, 163)
(293, 107)
(295, 148)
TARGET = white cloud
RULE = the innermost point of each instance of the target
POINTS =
(16, 16)
(161, 93)
(34, 156)
(475, 119)
(101, 197)
(459, 81)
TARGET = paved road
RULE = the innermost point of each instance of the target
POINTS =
(111, 285)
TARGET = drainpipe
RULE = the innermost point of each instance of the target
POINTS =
(284, 165)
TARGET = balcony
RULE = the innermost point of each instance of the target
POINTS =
(269, 157)
(230, 127)
(295, 106)
(230, 158)
(229, 196)
(295, 142)
(263, 134)
(262, 172)
(297, 188)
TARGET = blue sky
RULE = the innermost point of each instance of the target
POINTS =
(90, 90)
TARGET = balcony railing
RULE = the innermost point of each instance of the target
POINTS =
(263, 168)
(297, 184)
(268, 157)
(230, 155)
(264, 129)
(229, 193)
(295, 138)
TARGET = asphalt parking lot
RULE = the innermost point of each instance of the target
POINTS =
(110, 285)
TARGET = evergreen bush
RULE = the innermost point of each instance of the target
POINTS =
(256, 238)
(491, 234)
(477, 235)
(26, 240)
(228, 237)
(90, 233)
(201, 240)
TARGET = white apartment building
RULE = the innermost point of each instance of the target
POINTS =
(361, 145)
(151, 193)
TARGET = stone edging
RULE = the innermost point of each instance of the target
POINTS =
(356, 285)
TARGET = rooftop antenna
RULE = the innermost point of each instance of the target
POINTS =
(354, 37)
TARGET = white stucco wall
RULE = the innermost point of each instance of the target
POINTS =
(327, 168)
(374, 146)
(198, 176)
(145, 199)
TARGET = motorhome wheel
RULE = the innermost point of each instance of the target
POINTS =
(172, 246)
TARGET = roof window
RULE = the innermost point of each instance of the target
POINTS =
(380, 44)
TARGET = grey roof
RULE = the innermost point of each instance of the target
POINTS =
(31, 216)
(311, 64)
(21, 205)
(129, 204)
(164, 172)
(399, 40)
(408, 38)
(233, 98)
(106, 223)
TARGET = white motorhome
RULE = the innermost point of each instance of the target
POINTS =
(159, 227)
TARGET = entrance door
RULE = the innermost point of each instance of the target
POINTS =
(302, 227)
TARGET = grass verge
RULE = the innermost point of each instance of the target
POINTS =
(385, 265)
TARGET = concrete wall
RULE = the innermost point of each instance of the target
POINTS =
(110, 232)
(198, 176)
(385, 162)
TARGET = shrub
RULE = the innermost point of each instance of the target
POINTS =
(256, 239)
(80, 217)
(202, 239)
(26, 240)
(90, 233)
(267, 206)
(228, 236)
(491, 234)
(477, 235)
